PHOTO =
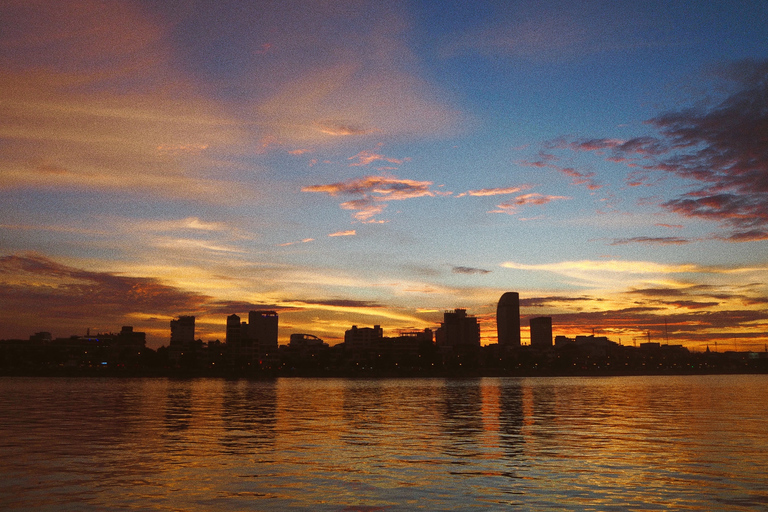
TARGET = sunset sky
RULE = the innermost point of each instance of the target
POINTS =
(359, 163)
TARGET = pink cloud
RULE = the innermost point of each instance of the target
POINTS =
(366, 157)
(374, 192)
(511, 207)
(720, 147)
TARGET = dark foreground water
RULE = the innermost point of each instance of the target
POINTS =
(622, 443)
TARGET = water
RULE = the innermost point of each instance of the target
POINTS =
(622, 443)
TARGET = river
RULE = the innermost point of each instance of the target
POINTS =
(565, 443)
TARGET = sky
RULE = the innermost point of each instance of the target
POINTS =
(379, 163)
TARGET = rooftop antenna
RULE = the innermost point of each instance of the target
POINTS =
(666, 332)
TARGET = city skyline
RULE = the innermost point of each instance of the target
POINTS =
(369, 164)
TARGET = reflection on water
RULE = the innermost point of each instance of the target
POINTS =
(659, 443)
(248, 416)
(511, 418)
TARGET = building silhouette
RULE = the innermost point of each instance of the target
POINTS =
(182, 338)
(541, 332)
(458, 330)
(183, 330)
(363, 339)
(254, 341)
(262, 329)
(508, 320)
(300, 341)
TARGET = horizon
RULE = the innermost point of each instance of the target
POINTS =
(399, 332)
(368, 164)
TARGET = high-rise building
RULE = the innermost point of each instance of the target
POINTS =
(234, 330)
(508, 320)
(458, 330)
(182, 338)
(541, 332)
(262, 329)
(183, 331)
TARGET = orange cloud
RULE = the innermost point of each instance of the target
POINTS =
(350, 232)
(495, 191)
(303, 241)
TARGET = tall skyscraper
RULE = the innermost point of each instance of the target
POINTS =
(234, 331)
(262, 328)
(508, 320)
(541, 332)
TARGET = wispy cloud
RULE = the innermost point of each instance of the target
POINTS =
(547, 160)
(631, 267)
(303, 241)
(189, 223)
(495, 191)
(374, 192)
(650, 240)
(512, 207)
(349, 232)
(367, 157)
(470, 270)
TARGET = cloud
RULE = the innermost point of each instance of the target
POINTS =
(753, 235)
(469, 270)
(631, 267)
(495, 191)
(374, 192)
(722, 148)
(129, 98)
(660, 240)
(511, 207)
(189, 223)
(367, 157)
(317, 87)
(228, 307)
(548, 160)
(349, 232)
(38, 292)
(303, 241)
(342, 128)
(612, 274)
(343, 303)
(580, 178)
(538, 302)
(695, 326)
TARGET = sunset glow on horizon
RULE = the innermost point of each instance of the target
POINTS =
(366, 163)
